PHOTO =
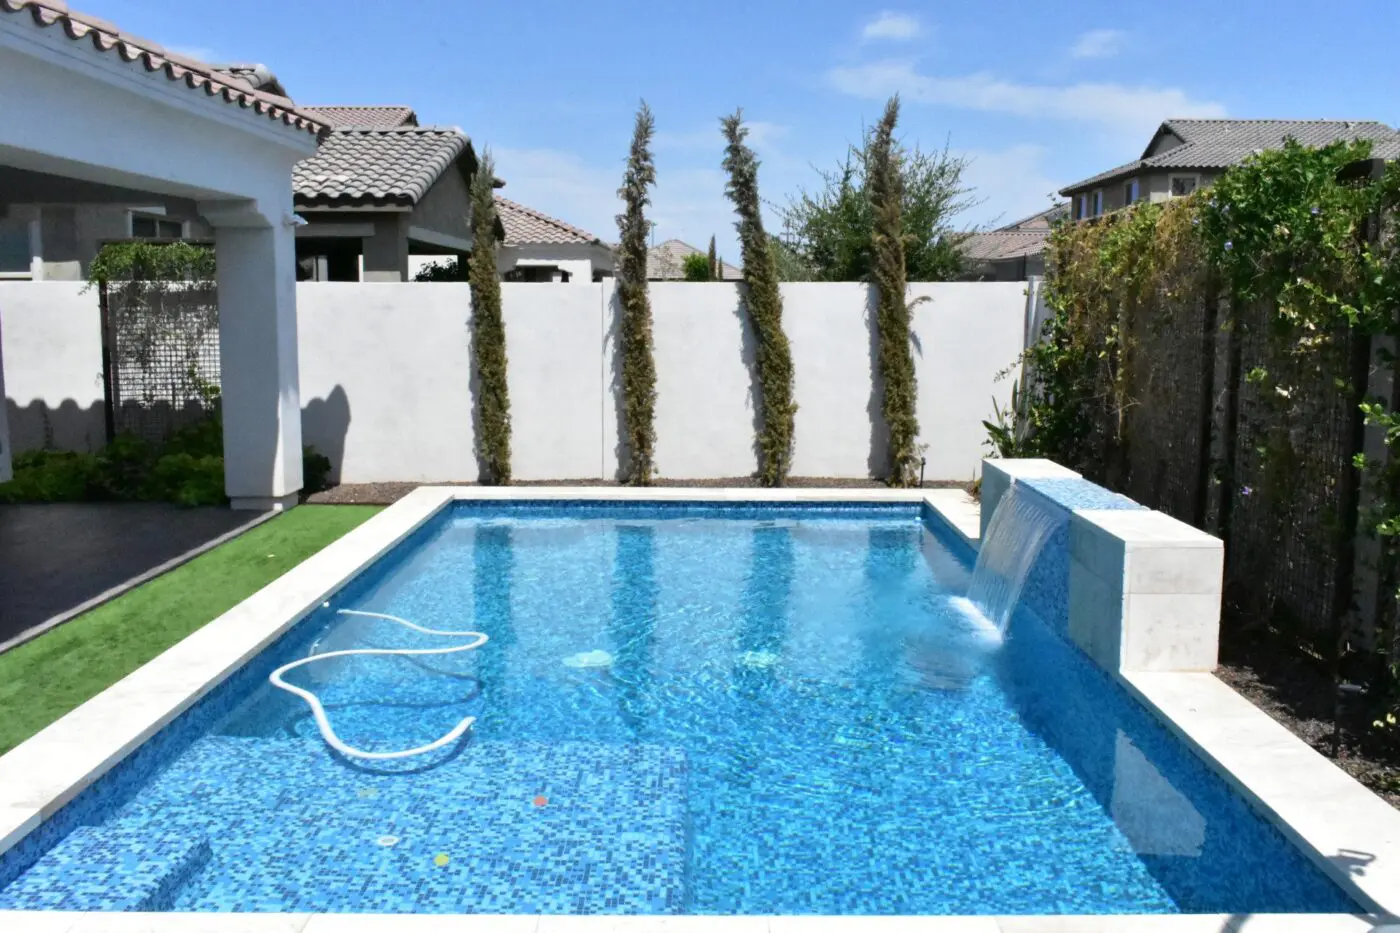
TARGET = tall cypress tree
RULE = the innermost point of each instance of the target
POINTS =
(765, 307)
(714, 262)
(488, 333)
(884, 186)
(638, 364)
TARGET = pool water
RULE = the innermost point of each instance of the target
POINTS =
(680, 710)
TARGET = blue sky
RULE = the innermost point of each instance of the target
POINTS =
(1036, 94)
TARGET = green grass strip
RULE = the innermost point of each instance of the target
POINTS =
(42, 680)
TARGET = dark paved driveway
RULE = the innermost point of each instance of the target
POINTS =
(54, 557)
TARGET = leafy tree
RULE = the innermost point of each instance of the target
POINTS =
(764, 303)
(638, 364)
(833, 228)
(884, 184)
(696, 268)
(715, 275)
(488, 333)
(440, 270)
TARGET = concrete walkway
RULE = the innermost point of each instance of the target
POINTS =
(54, 558)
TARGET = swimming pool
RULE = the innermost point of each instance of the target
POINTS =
(682, 709)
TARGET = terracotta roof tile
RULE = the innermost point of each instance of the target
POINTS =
(666, 261)
(195, 75)
(366, 166)
(381, 118)
(1004, 244)
(526, 226)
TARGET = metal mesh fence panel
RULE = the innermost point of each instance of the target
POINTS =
(163, 345)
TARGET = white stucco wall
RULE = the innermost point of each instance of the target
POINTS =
(52, 347)
(386, 375)
(967, 333)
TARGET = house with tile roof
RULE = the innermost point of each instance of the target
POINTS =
(1013, 253)
(1184, 155)
(379, 190)
(666, 263)
(540, 248)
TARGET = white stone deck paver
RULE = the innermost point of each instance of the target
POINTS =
(1351, 833)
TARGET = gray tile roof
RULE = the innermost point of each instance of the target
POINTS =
(666, 261)
(365, 167)
(380, 118)
(1004, 244)
(1217, 144)
(193, 74)
(526, 226)
(1024, 237)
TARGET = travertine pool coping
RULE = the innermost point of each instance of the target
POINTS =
(1349, 832)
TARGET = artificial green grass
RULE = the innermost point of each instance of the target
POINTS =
(45, 678)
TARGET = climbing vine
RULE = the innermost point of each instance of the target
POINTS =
(885, 188)
(764, 303)
(488, 333)
(638, 361)
(1288, 247)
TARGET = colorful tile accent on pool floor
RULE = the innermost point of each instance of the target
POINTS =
(465, 833)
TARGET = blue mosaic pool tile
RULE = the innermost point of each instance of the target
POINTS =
(118, 867)
(575, 509)
(569, 827)
(1076, 493)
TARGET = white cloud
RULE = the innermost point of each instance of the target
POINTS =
(897, 27)
(1131, 110)
(763, 135)
(1011, 183)
(687, 203)
(1099, 43)
(198, 52)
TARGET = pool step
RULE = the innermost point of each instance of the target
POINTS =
(114, 867)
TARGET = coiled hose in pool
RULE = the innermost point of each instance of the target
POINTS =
(319, 712)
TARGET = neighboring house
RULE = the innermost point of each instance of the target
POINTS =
(1012, 253)
(666, 262)
(381, 189)
(539, 248)
(1184, 155)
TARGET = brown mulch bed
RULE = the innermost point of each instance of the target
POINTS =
(1297, 690)
(389, 493)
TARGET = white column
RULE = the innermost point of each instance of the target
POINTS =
(256, 259)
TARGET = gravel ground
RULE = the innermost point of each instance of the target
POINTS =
(1293, 688)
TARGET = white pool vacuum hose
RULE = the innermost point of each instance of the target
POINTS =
(319, 712)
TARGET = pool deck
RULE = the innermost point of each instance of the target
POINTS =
(1349, 833)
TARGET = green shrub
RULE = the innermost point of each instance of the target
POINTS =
(696, 268)
(51, 476)
(315, 470)
(123, 469)
(187, 480)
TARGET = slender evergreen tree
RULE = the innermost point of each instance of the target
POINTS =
(764, 303)
(884, 185)
(714, 262)
(638, 364)
(488, 333)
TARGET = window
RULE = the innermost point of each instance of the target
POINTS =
(1081, 207)
(1182, 185)
(16, 255)
(1098, 203)
(1130, 192)
(148, 226)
